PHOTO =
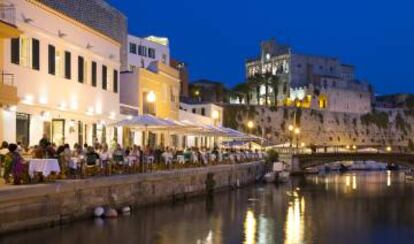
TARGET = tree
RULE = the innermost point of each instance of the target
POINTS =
(255, 82)
(241, 91)
(274, 82)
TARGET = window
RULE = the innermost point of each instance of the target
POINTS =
(151, 52)
(172, 95)
(15, 50)
(133, 48)
(203, 111)
(147, 106)
(142, 50)
(104, 77)
(93, 74)
(35, 54)
(81, 71)
(164, 59)
(194, 110)
(68, 65)
(23, 128)
(115, 80)
(52, 64)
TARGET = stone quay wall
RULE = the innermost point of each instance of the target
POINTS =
(36, 206)
(380, 128)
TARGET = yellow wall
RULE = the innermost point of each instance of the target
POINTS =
(160, 83)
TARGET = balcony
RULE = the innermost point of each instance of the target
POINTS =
(8, 27)
(7, 13)
(8, 91)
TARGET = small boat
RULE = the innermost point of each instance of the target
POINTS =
(343, 168)
(392, 166)
(279, 174)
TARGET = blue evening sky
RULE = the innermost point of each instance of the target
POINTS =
(215, 36)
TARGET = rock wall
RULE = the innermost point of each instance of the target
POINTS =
(380, 128)
(34, 206)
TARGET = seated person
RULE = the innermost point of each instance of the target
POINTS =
(91, 157)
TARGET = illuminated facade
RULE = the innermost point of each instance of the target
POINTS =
(67, 78)
(153, 90)
(307, 81)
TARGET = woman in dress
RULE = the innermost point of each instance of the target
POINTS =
(14, 165)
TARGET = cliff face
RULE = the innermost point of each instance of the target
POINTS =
(379, 128)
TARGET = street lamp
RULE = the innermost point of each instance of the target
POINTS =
(291, 128)
(250, 125)
(388, 149)
(297, 132)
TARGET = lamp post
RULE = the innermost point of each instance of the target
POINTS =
(291, 128)
(215, 115)
(250, 126)
(151, 99)
(297, 132)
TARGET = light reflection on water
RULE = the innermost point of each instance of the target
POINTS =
(356, 207)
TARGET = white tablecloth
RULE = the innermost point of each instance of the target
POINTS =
(46, 166)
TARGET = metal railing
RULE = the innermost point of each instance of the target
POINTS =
(6, 79)
(7, 12)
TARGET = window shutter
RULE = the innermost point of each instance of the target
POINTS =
(115, 86)
(104, 77)
(52, 61)
(94, 78)
(15, 50)
(68, 65)
(35, 54)
(81, 72)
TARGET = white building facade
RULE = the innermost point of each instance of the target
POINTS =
(67, 78)
(144, 51)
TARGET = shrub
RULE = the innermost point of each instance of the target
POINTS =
(272, 156)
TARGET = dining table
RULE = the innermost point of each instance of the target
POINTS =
(44, 166)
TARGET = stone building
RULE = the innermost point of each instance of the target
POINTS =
(307, 81)
(184, 76)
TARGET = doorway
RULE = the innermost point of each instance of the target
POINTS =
(58, 131)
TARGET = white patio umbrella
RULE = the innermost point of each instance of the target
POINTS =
(145, 121)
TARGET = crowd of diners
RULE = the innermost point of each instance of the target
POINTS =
(101, 159)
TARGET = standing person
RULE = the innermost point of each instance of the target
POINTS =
(44, 142)
(140, 159)
(13, 165)
(3, 153)
(105, 156)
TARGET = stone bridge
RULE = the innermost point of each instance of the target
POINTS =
(303, 161)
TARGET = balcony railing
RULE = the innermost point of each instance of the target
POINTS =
(6, 79)
(7, 13)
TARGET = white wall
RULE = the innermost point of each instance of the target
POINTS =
(61, 97)
(207, 118)
(135, 59)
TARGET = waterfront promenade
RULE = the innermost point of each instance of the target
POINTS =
(41, 205)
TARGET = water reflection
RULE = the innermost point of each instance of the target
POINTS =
(362, 207)
(250, 228)
(294, 226)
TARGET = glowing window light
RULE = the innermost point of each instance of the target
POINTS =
(151, 97)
